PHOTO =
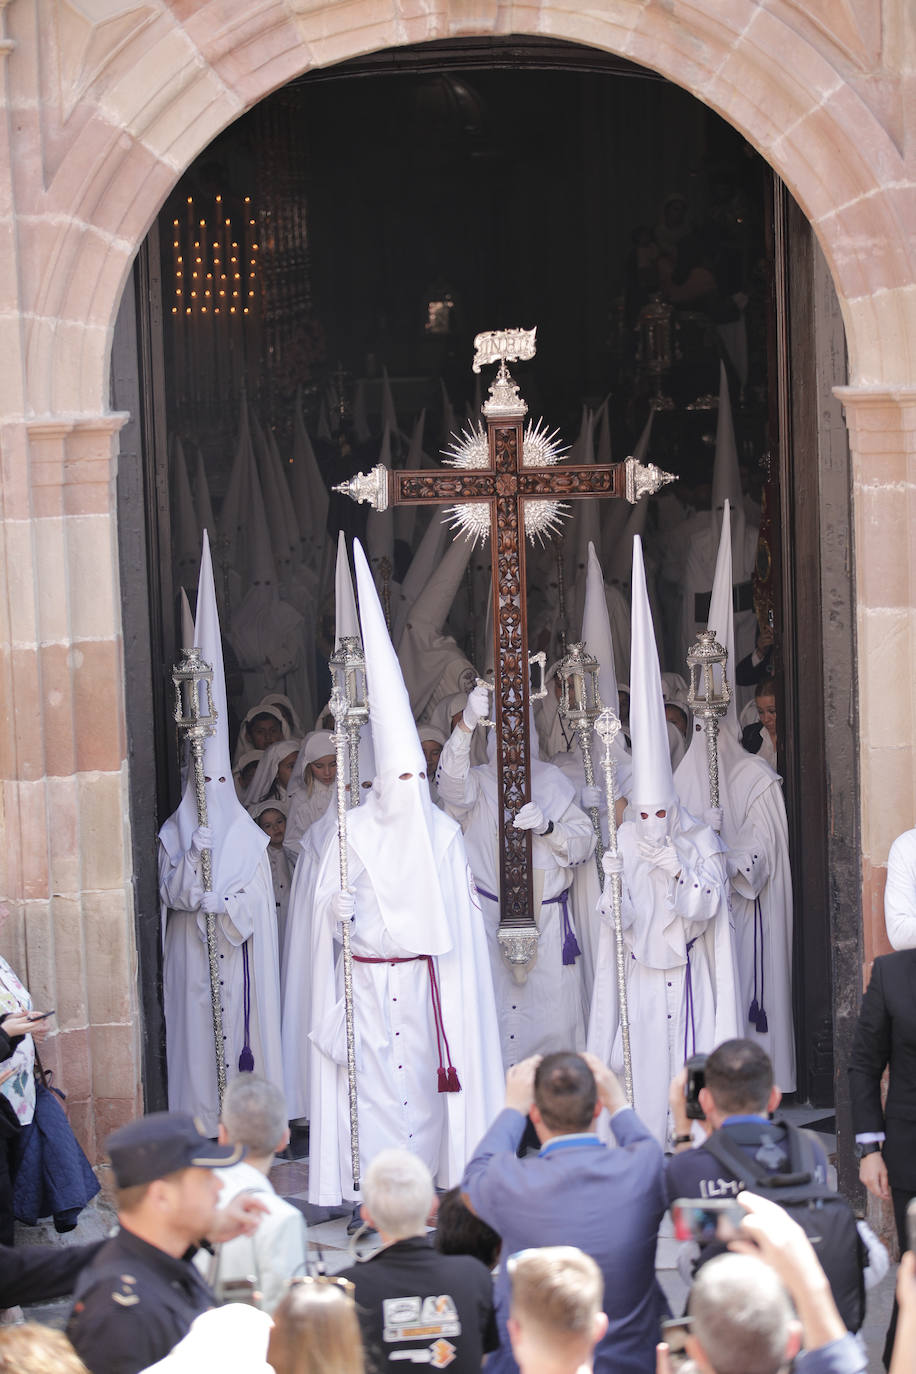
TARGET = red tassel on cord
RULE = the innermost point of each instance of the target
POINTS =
(453, 1085)
(443, 1080)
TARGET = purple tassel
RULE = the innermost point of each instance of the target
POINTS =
(762, 1023)
(753, 1012)
(453, 1085)
(443, 1080)
(246, 1060)
(571, 950)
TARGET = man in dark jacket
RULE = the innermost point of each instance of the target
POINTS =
(139, 1295)
(414, 1303)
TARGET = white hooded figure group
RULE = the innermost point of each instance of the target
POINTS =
(681, 982)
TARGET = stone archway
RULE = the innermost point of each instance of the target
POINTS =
(103, 110)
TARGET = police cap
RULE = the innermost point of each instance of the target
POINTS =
(162, 1143)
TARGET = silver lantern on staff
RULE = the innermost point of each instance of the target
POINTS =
(580, 705)
(196, 724)
(709, 698)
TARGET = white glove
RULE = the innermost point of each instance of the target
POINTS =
(477, 708)
(212, 904)
(712, 817)
(612, 863)
(591, 798)
(531, 817)
(663, 856)
(201, 839)
(343, 906)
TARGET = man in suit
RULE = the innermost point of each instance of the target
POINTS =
(885, 1037)
(576, 1191)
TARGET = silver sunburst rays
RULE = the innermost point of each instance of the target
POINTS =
(540, 449)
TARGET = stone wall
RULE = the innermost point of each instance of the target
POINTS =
(102, 106)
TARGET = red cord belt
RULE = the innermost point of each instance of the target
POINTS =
(447, 1073)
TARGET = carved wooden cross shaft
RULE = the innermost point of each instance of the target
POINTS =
(506, 485)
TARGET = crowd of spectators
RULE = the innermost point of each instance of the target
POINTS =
(542, 1261)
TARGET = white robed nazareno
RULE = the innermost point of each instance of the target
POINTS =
(755, 833)
(679, 959)
(409, 877)
(246, 928)
(547, 1011)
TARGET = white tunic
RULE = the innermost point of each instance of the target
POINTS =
(667, 922)
(397, 1047)
(249, 924)
(900, 892)
(755, 833)
(547, 1012)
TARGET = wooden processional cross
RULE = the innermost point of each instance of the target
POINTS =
(506, 484)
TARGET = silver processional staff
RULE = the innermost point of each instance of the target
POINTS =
(191, 673)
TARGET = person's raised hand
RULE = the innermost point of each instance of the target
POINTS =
(765, 638)
(18, 1023)
(240, 1217)
(873, 1173)
(529, 817)
(662, 856)
(712, 817)
(520, 1084)
(677, 1102)
(212, 904)
(610, 1094)
(477, 707)
(612, 863)
(343, 906)
(201, 839)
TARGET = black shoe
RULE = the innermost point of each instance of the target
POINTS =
(356, 1225)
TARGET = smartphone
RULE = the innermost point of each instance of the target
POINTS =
(696, 1079)
(40, 1015)
(674, 1333)
(706, 1220)
(911, 1225)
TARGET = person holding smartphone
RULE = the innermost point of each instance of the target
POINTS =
(20, 1028)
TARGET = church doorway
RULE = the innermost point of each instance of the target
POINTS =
(371, 218)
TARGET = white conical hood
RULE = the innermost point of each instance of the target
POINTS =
(439, 590)
(652, 780)
(604, 433)
(346, 619)
(596, 632)
(202, 502)
(722, 616)
(405, 517)
(431, 661)
(389, 414)
(186, 530)
(309, 491)
(237, 842)
(621, 564)
(323, 430)
(281, 482)
(726, 476)
(380, 525)
(397, 819)
(422, 566)
(360, 420)
(187, 621)
(232, 513)
(448, 415)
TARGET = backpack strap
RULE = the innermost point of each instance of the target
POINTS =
(742, 1165)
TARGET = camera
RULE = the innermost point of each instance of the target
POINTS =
(696, 1079)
